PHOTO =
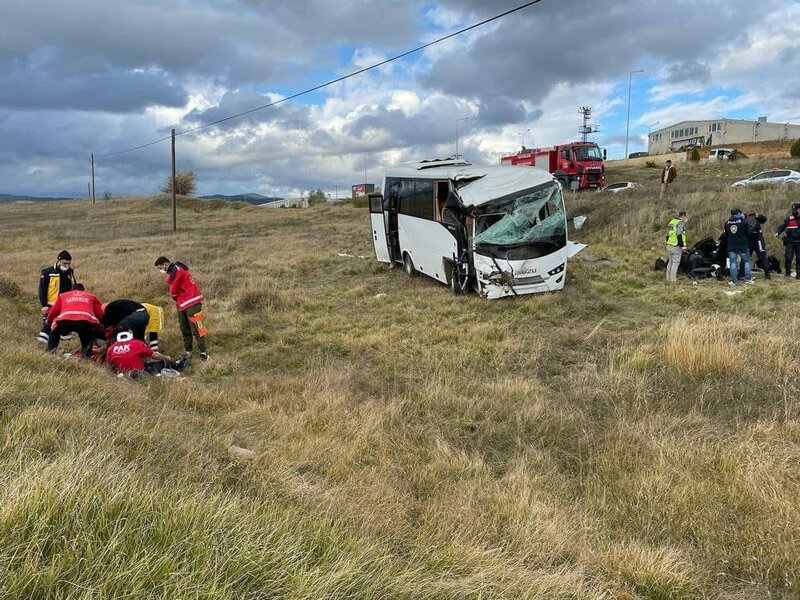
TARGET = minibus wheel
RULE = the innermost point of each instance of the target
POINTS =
(409, 265)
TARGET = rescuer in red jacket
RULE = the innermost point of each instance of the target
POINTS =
(75, 311)
(128, 354)
(189, 301)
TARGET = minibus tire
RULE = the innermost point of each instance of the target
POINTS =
(408, 264)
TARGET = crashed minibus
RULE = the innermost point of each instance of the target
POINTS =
(497, 230)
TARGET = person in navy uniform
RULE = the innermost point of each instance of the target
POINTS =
(737, 236)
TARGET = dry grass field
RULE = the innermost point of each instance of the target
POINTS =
(622, 438)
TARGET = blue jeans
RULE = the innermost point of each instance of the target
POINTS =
(733, 264)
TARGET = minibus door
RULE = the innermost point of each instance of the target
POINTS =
(378, 225)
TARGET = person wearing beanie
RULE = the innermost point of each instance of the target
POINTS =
(189, 301)
(53, 281)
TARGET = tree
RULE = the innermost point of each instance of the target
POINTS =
(185, 183)
(795, 149)
(316, 197)
(694, 155)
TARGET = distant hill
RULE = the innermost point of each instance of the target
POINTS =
(16, 198)
(249, 198)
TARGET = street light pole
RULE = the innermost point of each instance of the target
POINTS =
(522, 135)
(457, 122)
(628, 122)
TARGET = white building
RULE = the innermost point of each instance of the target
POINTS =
(301, 202)
(718, 132)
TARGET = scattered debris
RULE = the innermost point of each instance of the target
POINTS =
(579, 221)
(732, 292)
(348, 255)
(596, 328)
(593, 260)
(381, 295)
(241, 454)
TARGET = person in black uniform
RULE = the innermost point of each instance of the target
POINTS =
(54, 281)
(125, 315)
(791, 241)
(757, 243)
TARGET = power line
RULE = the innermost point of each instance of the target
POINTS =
(331, 82)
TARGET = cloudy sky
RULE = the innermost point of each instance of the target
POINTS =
(103, 76)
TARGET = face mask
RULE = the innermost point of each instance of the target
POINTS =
(164, 271)
(63, 268)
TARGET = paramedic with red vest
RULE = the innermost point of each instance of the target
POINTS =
(791, 242)
(127, 354)
(76, 311)
(188, 299)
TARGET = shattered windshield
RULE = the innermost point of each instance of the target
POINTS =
(534, 219)
(588, 153)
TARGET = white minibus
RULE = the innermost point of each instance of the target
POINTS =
(498, 230)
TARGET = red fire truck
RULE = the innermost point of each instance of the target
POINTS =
(577, 165)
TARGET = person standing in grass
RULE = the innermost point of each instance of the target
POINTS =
(791, 241)
(668, 175)
(737, 236)
(676, 244)
(189, 300)
(757, 243)
(53, 282)
(78, 311)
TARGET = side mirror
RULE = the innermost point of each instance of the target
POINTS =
(604, 154)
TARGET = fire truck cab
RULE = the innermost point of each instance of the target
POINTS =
(577, 165)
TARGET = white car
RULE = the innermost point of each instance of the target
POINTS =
(720, 153)
(622, 186)
(772, 177)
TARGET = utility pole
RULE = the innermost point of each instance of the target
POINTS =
(93, 178)
(174, 185)
(586, 128)
(628, 122)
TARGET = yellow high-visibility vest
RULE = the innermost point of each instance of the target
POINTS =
(156, 322)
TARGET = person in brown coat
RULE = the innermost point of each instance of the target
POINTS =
(668, 175)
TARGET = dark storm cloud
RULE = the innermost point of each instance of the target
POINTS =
(494, 112)
(111, 91)
(690, 71)
(549, 43)
(286, 114)
(430, 126)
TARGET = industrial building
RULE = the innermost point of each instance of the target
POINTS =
(718, 131)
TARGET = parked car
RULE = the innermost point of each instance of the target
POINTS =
(774, 176)
(720, 153)
(638, 154)
(622, 186)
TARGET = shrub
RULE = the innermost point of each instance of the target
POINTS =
(736, 155)
(795, 149)
(185, 183)
(9, 289)
(107, 195)
(694, 155)
(650, 164)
